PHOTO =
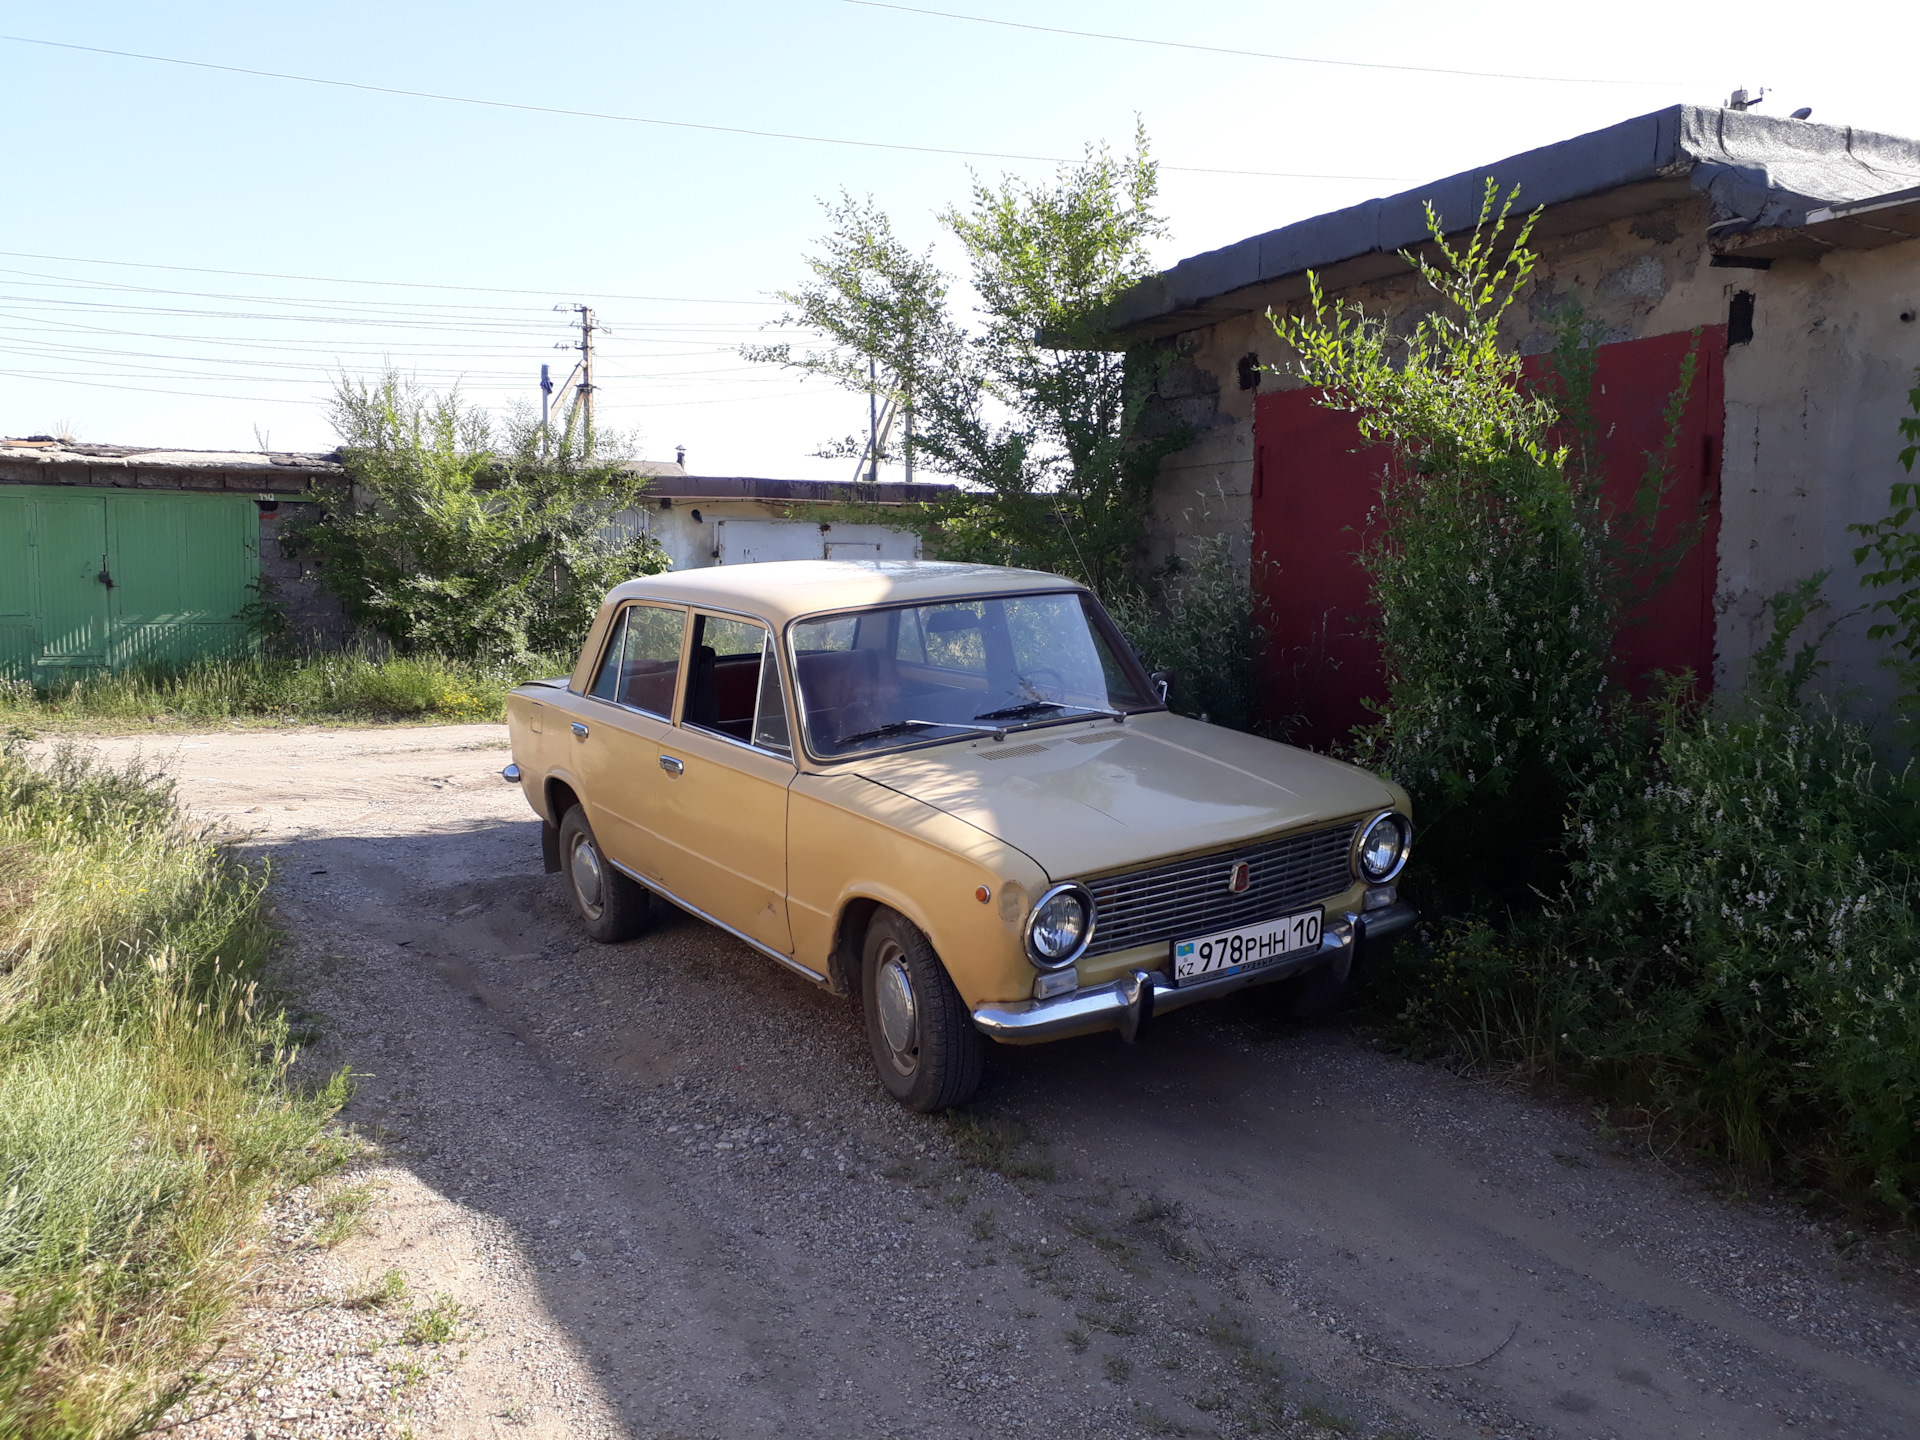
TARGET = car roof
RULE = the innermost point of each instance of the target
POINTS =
(781, 590)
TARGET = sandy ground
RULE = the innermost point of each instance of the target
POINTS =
(672, 1202)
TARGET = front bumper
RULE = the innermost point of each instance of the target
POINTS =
(1128, 1005)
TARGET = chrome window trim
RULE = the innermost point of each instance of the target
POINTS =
(1034, 957)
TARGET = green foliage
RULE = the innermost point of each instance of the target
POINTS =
(443, 542)
(1202, 620)
(1025, 410)
(1499, 574)
(145, 1110)
(1735, 954)
(341, 685)
(1894, 548)
(1742, 915)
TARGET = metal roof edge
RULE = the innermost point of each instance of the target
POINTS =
(805, 492)
(1757, 170)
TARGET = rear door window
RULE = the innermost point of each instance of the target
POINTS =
(641, 666)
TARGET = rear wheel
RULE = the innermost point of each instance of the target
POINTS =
(924, 1045)
(612, 907)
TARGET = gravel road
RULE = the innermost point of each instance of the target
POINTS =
(672, 1202)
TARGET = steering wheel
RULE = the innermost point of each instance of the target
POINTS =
(1042, 683)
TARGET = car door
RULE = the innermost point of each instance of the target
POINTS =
(620, 728)
(727, 765)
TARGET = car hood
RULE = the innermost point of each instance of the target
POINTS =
(1083, 799)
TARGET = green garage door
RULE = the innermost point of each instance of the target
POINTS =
(95, 580)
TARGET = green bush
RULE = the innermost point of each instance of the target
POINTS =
(1499, 574)
(145, 1112)
(445, 543)
(1204, 621)
(1736, 951)
(1743, 939)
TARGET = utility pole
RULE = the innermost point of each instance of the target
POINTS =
(546, 401)
(873, 422)
(583, 393)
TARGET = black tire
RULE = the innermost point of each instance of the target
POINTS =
(612, 907)
(925, 1048)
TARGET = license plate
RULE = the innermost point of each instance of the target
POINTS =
(1251, 947)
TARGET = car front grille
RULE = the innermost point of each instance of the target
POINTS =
(1190, 898)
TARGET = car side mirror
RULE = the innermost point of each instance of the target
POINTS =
(1162, 682)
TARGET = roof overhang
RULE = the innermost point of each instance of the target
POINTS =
(1758, 173)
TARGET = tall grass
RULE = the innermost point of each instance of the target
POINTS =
(145, 1108)
(347, 685)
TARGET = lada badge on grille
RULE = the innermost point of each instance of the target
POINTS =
(1239, 878)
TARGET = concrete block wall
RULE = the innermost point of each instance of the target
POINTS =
(1813, 404)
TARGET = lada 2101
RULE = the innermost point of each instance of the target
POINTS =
(953, 790)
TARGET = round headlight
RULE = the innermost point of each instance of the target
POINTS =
(1059, 927)
(1382, 848)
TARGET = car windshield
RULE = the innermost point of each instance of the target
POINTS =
(878, 679)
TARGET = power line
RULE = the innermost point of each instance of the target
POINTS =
(1261, 54)
(149, 390)
(651, 120)
(394, 284)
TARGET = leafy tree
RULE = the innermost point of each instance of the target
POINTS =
(443, 541)
(1026, 410)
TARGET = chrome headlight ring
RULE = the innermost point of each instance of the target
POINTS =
(1364, 842)
(1068, 891)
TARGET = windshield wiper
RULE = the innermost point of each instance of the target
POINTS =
(900, 727)
(1034, 707)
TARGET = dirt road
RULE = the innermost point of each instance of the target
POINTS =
(678, 1205)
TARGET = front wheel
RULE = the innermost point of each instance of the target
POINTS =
(612, 907)
(924, 1045)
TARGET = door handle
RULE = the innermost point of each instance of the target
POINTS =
(673, 766)
(579, 729)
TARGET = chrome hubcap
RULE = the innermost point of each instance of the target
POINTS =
(586, 874)
(893, 992)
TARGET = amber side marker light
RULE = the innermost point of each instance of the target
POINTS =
(982, 894)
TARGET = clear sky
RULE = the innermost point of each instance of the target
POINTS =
(458, 228)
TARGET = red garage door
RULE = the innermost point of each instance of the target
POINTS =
(1316, 491)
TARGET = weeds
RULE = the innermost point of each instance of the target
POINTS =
(1006, 1147)
(1119, 1369)
(1325, 1419)
(389, 1289)
(347, 685)
(145, 1109)
(342, 1212)
(443, 1320)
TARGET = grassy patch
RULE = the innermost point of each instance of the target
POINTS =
(389, 1289)
(344, 686)
(145, 1113)
(443, 1320)
(1006, 1147)
(342, 1212)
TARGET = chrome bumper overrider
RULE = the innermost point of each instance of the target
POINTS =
(1128, 1005)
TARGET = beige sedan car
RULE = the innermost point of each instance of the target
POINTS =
(952, 790)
